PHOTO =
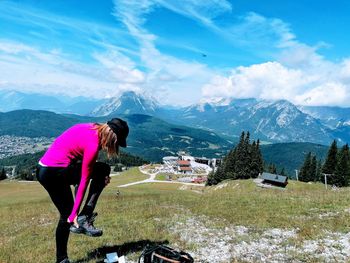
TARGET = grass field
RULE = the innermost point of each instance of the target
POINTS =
(165, 213)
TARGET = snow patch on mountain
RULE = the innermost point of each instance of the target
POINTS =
(217, 101)
(128, 103)
(287, 116)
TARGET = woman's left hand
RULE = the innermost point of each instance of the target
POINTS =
(107, 180)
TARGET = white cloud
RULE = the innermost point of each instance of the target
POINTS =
(330, 93)
(345, 71)
(274, 81)
(269, 80)
(261, 33)
(29, 69)
(201, 11)
(120, 67)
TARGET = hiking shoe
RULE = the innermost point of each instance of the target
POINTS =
(86, 226)
(76, 230)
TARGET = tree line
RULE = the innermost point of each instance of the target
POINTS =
(336, 167)
(243, 162)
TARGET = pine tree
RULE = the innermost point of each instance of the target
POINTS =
(304, 174)
(247, 171)
(331, 160)
(243, 162)
(3, 174)
(211, 179)
(269, 168)
(260, 160)
(241, 153)
(341, 175)
(254, 164)
(319, 172)
(217, 176)
(229, 165)
(283, 173)
(313, 169)
(272, 168)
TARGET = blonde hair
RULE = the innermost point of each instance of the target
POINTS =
(108, 139)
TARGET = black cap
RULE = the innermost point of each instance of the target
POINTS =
(121, 129)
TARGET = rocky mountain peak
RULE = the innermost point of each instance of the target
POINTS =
(128, 102)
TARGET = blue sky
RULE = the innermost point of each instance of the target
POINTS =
(180, 52)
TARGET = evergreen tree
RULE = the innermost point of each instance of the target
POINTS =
(247, 171)
(254, 163)
(229, 165)
(260, 160)
(217, 176)
(341, 175)
(26, 175)
(331, 160)
(211, 179)
(318, 177)
(313, 169)
(241, 157)
(118, 167)
(3, 174)
(243, 162)
(305, 174)
(283, 173)
(272, 168)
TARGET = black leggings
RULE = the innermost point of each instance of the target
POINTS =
(57, 181)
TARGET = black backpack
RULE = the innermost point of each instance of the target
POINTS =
(164, 254)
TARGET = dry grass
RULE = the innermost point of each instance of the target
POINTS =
(144, 213)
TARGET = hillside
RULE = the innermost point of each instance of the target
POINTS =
(149, 137)
(291, 156)
(235, 221)
(153, 138)
(36, 123)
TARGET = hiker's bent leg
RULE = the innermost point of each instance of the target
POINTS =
(61, 195)
(97, 184)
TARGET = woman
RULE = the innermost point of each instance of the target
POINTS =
(71, 160)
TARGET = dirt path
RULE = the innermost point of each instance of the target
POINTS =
(152, 179)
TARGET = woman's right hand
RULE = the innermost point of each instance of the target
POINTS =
(75, 221)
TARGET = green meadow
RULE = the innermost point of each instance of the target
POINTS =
(144, 214)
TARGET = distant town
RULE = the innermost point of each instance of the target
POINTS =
(14, 145)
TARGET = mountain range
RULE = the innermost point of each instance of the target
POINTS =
(14, 100)
(270, 121)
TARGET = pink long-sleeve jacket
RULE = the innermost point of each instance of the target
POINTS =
(79, 142)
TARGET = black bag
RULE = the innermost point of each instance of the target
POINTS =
(164, 254)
